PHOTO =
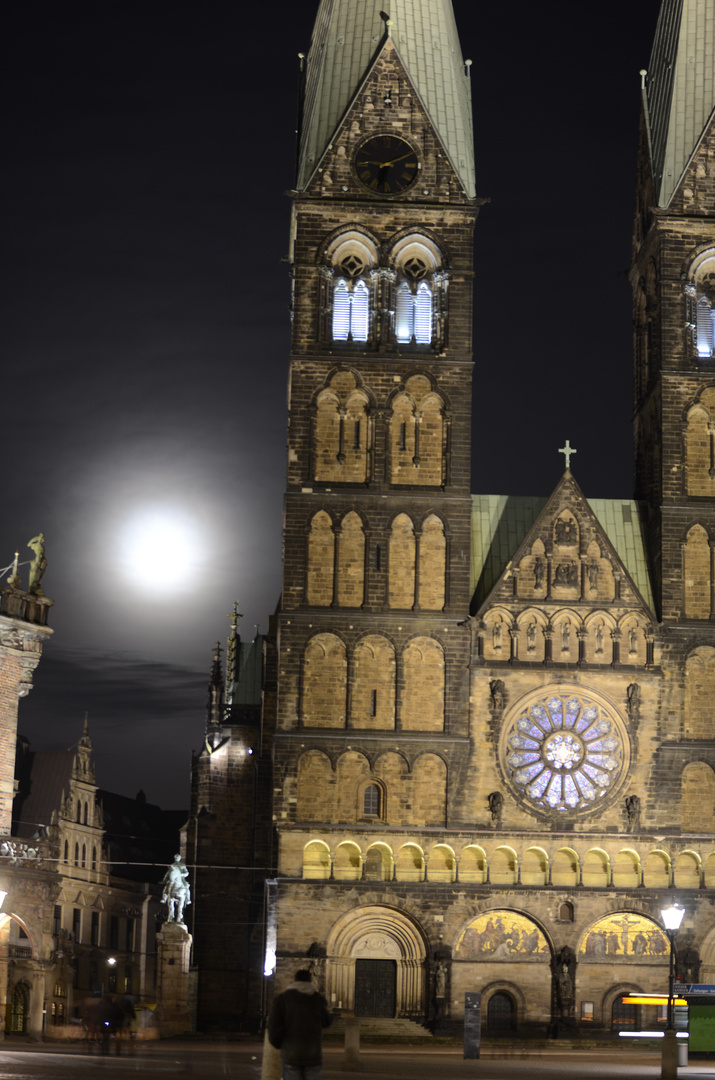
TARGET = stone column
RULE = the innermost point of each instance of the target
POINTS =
(172, 980)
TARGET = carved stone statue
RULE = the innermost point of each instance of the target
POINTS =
(563, 967)
(633, 809)
(539, 570)
(38, 564)
(496, 801)
(496, 688)
(176, 894)
(592, 570)
(440, 980)
(634, 701)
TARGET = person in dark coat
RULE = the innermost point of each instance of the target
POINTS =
(295, 1027)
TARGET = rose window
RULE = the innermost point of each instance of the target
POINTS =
(564, 753)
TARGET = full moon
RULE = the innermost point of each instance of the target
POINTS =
(161, 549)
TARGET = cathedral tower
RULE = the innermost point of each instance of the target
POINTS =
(372, 689)
(674, 310)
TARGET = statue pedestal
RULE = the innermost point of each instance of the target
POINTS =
(172, 980)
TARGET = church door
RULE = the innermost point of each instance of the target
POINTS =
(500, 1014)
(375, 982)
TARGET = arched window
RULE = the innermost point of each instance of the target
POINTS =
(413, 309)
(351, 310)
(79, 811)
(86, 813)
(94, 858)
(76, 854)
(84, 855)
(67, 851)
(705, 327)
(371, 801)
(347, 294)
(700, 293)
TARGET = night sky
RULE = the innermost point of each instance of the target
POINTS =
(147, 149)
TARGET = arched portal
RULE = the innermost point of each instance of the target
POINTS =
(376, 964)
(501, 1013)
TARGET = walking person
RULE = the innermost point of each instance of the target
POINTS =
(295, 1027)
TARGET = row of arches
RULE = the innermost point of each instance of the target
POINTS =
(699, 288)
(374, 293)
(348, 426)
(566, 636)
(340, 560)
(351, 860)
(391, 790)
(372, 685)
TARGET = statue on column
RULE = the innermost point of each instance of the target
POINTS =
(38, 565)
(563, 967)
(176, 894)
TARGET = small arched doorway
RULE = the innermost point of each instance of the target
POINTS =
(18, 1009)
(501, 1013)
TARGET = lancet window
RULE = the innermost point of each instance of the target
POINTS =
(348, 300)
(700, 293)
(420, 292)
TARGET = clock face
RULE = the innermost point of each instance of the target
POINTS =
(386, 164)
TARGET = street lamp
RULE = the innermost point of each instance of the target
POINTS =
(672, 918)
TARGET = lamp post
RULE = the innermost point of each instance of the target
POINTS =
(672, 918)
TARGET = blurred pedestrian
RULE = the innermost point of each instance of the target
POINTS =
(295, 1027)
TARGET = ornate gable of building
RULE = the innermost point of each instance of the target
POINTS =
(389, 108)
(567, 594)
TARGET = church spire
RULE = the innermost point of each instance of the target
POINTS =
(348, 37)
(680, 92)
(215, 709)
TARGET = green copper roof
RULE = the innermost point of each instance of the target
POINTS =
(346, 38)
(501, 522)
(680, 89)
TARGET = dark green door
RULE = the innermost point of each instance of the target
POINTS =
(375, 982)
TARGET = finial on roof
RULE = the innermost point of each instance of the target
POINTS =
(643, 74)
(301, 57)
(468, 67)
(85, 729)
(567, 450)
(14, 579)
(388, 22)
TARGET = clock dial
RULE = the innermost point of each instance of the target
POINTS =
(386, 164)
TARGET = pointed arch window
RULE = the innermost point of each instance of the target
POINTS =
(705, 328)
(351, 302)
(414, 305)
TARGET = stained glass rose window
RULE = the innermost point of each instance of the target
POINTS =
(564, 752)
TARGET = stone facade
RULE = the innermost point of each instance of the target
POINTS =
(493, 783)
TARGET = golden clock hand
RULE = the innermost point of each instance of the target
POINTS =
(395, 160)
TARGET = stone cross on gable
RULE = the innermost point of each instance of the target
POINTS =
(235, 615)
(567, 450)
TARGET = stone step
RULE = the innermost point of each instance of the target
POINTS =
(379, 1029)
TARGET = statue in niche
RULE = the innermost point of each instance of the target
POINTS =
(176, 894)
(497, 690)
(531, 636)
(633, 640)
(599, 638)
(592, 571)
(565, 532)
(496, 635)
(563, 967)
(566, 575)
(38, 564)
(633, 809)
(634, 701)
(496, 802)
(539, 572)
(440, 980)
(566, 636)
